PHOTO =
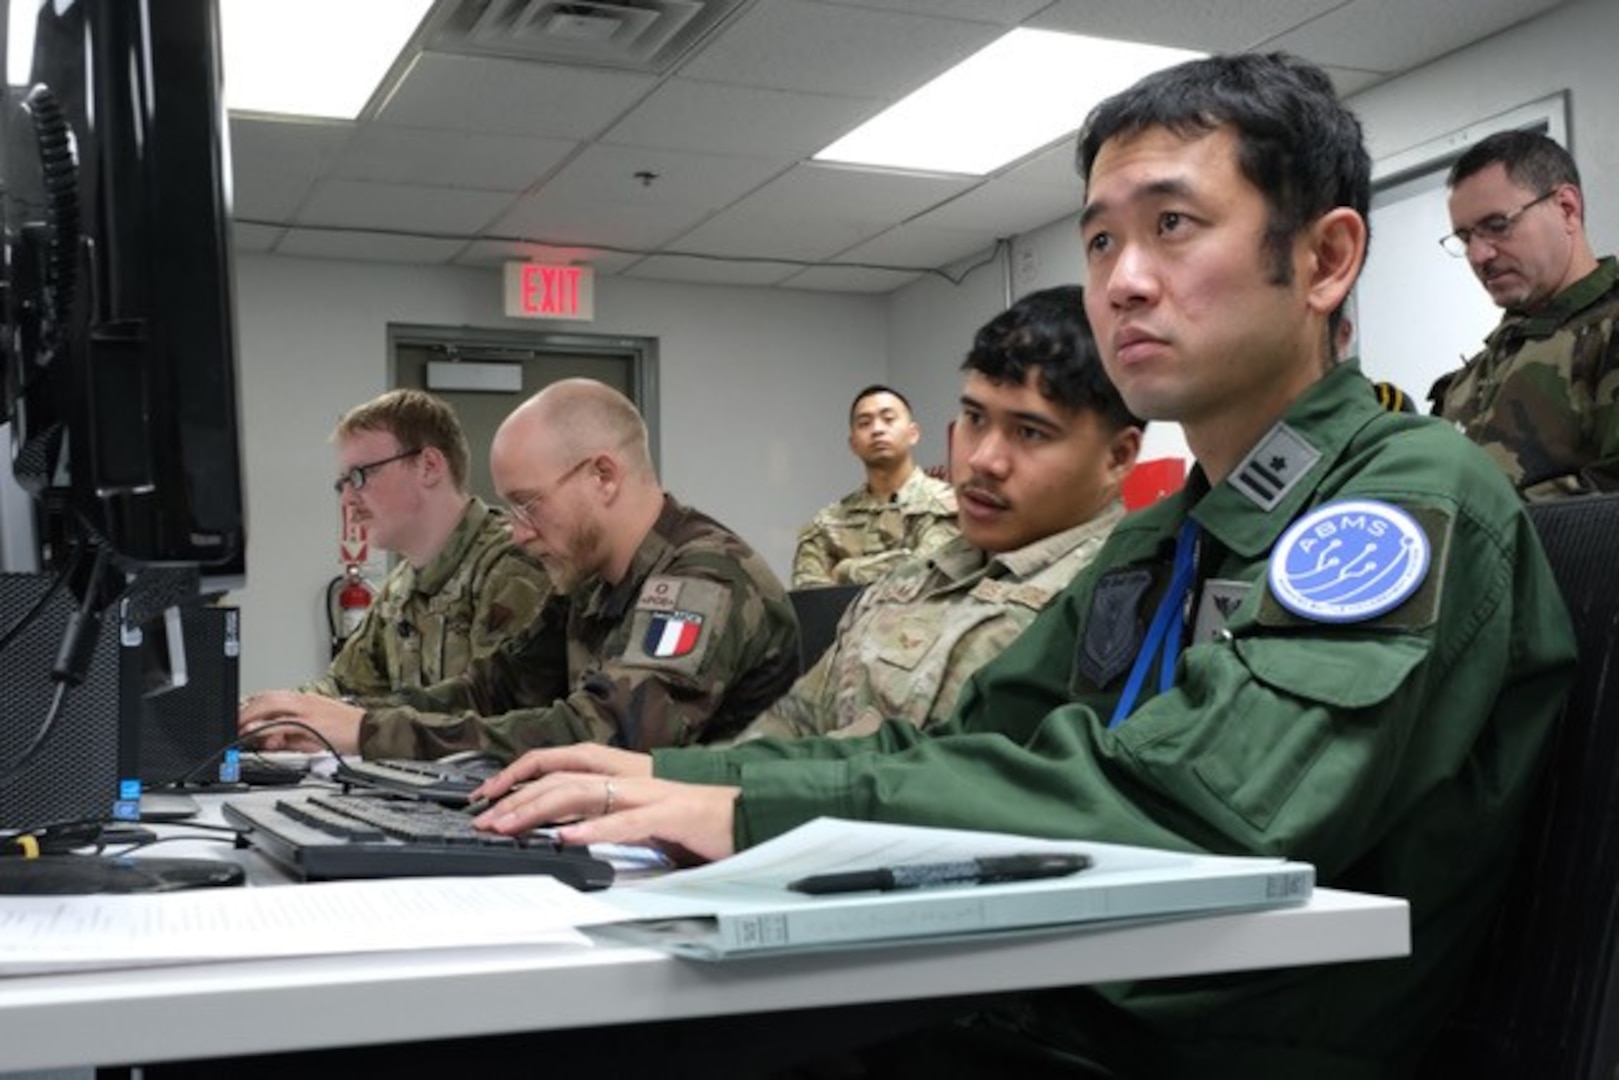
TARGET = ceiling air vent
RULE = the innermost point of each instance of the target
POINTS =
(641, 35)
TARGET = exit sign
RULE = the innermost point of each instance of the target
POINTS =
(539, 291)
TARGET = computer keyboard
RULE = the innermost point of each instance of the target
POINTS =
(450, 783)
(325, 836)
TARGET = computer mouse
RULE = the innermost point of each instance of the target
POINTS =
(474, 759)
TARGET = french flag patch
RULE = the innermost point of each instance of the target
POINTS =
(672, 634)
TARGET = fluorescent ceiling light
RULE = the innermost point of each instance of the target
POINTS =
(293, 57)
(1018, 94)
(312, 57)
(20, 22)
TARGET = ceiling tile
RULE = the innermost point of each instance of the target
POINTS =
(1000, 12)
(497, 252)
(640, 229)
(831, 49)
(1358, 35)
(367, 247)
(702, 117)
(1005, 208)
(711, 271)
(275, 163)
(1053, 167)
(255, 239)
(752, 231)
(849, 279)
(403, 207)
(510, 97)
(607, 174)
(462, 159)
(1205, 25)
(854, 194)
(916, 245)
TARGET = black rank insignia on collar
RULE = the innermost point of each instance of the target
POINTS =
(1114, 629)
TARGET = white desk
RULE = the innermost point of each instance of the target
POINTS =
(106, 1018)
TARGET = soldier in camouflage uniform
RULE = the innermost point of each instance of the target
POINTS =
(460, 587)
(1040, 449)
(1540, 398)
(672, 630)
(899, 511)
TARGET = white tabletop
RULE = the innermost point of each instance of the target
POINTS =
(264, 1006)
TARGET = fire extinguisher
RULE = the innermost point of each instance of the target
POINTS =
(348, 599)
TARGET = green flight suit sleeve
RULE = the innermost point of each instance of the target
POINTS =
(1262, 746)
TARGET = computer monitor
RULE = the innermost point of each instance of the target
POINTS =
(118, 337)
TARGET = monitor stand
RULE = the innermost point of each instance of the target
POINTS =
(70, 875)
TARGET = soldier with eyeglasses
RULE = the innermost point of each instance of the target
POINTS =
(667, 629)
(460, 587)
(1540, 396)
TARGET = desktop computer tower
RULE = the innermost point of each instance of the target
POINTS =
(84, 764)
(184, 730)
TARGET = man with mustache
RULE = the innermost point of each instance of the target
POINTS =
(1542, 397)
(1039, 450)
(900, 510)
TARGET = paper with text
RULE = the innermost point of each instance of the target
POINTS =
(45, 933)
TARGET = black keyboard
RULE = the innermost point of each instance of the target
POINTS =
(444, 782)
(327, 836)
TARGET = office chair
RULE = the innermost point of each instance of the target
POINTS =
(818, 612)
(1544, 1002)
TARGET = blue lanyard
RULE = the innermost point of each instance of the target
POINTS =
(1159, 634)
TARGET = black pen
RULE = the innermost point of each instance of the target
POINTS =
(981, 871)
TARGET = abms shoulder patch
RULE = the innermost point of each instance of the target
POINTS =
(1349, 561)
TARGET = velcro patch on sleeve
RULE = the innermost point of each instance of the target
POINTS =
(659, 594)
(1360, 562)
(678, 637)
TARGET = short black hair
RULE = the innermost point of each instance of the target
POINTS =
(1297, 143)
(1048, 332)
(877, 388)
(1531, 160)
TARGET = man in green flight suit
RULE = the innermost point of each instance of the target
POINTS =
(1340, 642)
(668, 630)
(1542, 397)
(460, 587)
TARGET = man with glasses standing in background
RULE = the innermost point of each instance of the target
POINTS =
(460, 587)
(1541, 396)
(668, 629)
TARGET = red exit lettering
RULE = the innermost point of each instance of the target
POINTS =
(550, 290)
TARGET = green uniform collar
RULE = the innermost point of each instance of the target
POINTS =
(429, 579)
(1564, 306)
(1326, 417)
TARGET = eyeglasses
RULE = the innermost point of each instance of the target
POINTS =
(520, 512)
(1492, 230)
(357, 476)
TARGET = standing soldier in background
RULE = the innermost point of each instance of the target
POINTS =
(899, 511)
(461, 587)
(1542, 398)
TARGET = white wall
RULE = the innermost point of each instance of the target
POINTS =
(1570, 48)
(753, 389)
(931, 325)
